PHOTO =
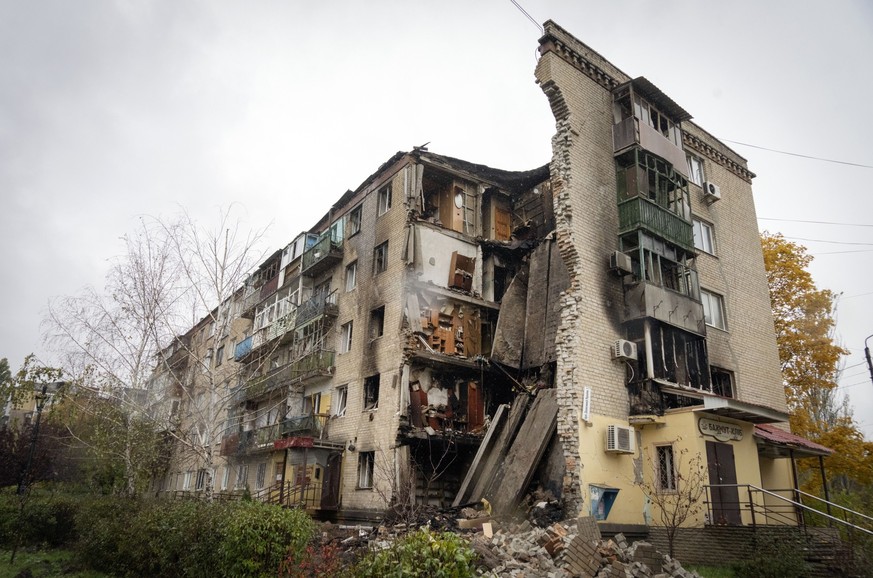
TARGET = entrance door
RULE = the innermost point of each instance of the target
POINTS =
(722, 470)
(330, 490)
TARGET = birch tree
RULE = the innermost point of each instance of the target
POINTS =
(119, 342)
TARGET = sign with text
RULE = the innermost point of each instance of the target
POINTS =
(720, 430)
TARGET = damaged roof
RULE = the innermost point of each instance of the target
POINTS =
(778, 437)
(512, 181)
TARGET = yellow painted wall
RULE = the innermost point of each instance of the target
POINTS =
(680, 429)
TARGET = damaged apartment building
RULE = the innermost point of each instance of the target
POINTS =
(450, 331)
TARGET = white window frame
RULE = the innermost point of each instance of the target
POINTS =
(351, 276)
(704, 236)
(713, 303)
(186, 481)
(346, 337)
(384, 199)
(366, 466)
(226, 478)
(341, 400)
(696, 173)
(355, 217)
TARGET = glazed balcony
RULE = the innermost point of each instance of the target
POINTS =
(643, 299)
(326, 253)
(630, 132)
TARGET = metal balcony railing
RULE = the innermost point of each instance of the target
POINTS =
(304, 425)
(319, 304)
(326, 252)
(317, 363)
(641, 213)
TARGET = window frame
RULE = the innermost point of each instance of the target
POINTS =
(377, 322)
(346, 334)
(696, 174)
(371, 392)
(242, 477)
(708, 299)
(261, 477)
(705, 243)
(366, 468)
(351, 276)
(728, 375)
(667, 480)
(380, 258)
(355, 221)
(341, 401)
(383, 199)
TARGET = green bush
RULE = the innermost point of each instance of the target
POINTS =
(421, 554)
(45, 520)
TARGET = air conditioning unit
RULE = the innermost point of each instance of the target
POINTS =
(620, 263)
(620, 439)
(711, 192)
(624, 349)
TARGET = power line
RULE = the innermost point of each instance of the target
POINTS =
(790, 153)
(852, 296)
(831, 242)
(816, 222)
(842, 252)
(529, 17)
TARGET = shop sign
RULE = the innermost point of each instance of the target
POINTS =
(720, 430)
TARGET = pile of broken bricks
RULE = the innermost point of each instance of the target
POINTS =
(567, 550)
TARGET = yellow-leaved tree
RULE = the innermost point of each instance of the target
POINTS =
(811, 365)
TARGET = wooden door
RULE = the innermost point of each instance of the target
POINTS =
(725, 507)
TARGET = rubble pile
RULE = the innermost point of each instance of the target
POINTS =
(566, 550)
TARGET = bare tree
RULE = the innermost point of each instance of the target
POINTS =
(676, 490)
(132, 342)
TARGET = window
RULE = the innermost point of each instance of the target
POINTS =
(351, 275)
(365, 469)
(713, 309)
(371, 392)
(380, 258)
(354, 225)
(346, 338)
(384, 199)
(340, 400)
(703, 238)
(377, 322)
(695, 170)
(242, 476)
(201, 480)
(722, 382)
(665, 468)
(186, 482)
(226, 479)
(262, 475)
(219, 355)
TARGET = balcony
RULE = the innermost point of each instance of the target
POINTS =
(631, 131)
(641, 213)
(304, 425)
(243, 348)
(644, 299)
(318, 305)
(261, 438)
(326, 253)
(275, 379)
(314, 364)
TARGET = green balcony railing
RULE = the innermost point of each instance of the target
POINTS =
(301, 425)
(324, 253)
(641, 213)
(318, 362)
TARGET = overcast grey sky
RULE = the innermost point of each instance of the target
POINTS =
(111, 110)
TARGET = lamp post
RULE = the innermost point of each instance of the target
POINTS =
(41, 398)
(867, 355)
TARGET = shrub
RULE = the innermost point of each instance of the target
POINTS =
(421, 554)
(774, 559)
(46, 520)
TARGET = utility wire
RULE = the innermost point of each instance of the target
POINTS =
(832, 242)
(529, 17)
(790, 153)
(816, 222)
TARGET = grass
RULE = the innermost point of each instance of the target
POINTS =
(712, 571)
(43, 564)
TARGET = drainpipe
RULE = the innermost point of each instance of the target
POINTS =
(282, 487)
(824, 481)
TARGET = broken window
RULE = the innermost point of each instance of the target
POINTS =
(722, 382)
(677, 356)
(341, 400)
(661, 263)
(641, 174)
(380, 258)
(695, 170)
(351, 275)
(377, 322)
(354, 224)
(461, 270)
(713, 309)
(384, 199)
(366, 461)
(346, 338)
(703, 237)
(371, 392)
(665, 468)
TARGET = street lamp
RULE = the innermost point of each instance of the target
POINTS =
(867, 355)
(41, 398)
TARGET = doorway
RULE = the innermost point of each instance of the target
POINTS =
(725, 506)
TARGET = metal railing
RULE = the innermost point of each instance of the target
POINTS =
(325, 247)
(318, 304)
(639, 212)
(290, 494)
(769, 507)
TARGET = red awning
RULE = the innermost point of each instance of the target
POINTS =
(781, 443)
